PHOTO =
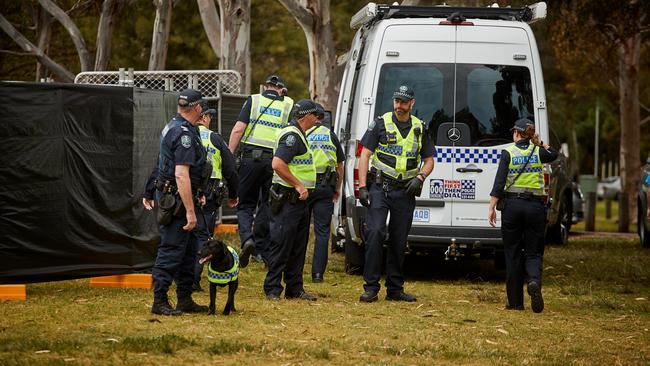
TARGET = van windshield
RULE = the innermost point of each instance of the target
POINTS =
(489, 99)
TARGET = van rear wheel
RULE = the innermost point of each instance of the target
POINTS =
(559, 232)
(354, 257)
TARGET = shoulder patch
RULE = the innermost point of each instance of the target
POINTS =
(186, 141)
(291, 140)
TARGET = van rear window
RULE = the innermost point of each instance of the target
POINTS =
(483, 101)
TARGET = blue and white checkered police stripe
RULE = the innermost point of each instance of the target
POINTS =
(223, 275)
(467, 155)
(531, 169)
(302, 161)
(322, 147)
(392, 149)
(267, 123)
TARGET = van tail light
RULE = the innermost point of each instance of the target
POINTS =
(357, 152)
(356, 183)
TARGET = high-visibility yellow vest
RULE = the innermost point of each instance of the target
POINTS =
(230, 275)
(531, 179)
(214, 154)
(302, 166)
(322, 148)
(399, 158)
(268, 116)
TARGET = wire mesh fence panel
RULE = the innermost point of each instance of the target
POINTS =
(210, 82)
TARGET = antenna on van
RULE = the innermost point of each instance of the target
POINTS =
(373, 12)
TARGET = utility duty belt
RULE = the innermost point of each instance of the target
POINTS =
(279, 195)
(385, 182)
(215, 191)
(257, 154)
(170, 204)
(525, 196)
(327, 178)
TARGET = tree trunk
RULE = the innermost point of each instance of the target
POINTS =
(44, 29)
(160, 38)
(628, 76)
(27, 46)
(110, 9)
(211, 24)
(72, 29)
(325, 74)
(235, 39)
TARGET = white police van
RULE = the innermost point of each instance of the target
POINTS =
(475, 71)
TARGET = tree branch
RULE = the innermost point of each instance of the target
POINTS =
(73, 30)
(211, 24)
(645, 108)
(15, 53)
(27, 46)
(644, 121)
(299, 12)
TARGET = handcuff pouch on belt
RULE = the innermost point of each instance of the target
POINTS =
(387, 184)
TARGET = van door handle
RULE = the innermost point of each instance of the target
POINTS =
(469, 170)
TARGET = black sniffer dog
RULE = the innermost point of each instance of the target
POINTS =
(223, 269)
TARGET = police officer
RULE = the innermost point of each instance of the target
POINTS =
(520, 183)
(180, 170)
(261, 118)
(396, 143)
(294, 174)
(223, 169)
(328, 159)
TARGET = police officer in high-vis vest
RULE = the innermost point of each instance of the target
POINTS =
(181, 170)
(400, 154)
(328, 159)
(519, 182)
(224, 174)
(294, 176)
(260, 120)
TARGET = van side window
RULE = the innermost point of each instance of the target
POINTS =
(489, 99)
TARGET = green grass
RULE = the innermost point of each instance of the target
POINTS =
(597, 312)
(602, 223)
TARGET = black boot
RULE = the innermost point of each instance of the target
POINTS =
(247, 250)
(162, 307)
(187, 305)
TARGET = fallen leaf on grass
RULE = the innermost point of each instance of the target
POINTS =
(491, 342)
(549, 267)
(465, 301)
(620, 318)
(502, 331)
(209, 336)
(43, 351)
(469, 320)
(419, 306)
(112, 340)
(640, 299)
(441, 324)
(154, 320)
(70, 359)
(568, 266)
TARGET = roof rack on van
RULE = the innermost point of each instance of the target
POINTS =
(373, 12)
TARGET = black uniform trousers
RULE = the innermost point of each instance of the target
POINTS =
(321, 208)
(254, 184)
(401, 206)
(289, 235)
(174, 260)
(206, 219)
(522, 229)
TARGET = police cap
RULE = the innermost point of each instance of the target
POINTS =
(521, 125)
(305, 107)
(320, 111)
(403, 93)
(189, 97)
(275, 80)
(205, 108)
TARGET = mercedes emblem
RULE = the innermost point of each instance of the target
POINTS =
(453, 134)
